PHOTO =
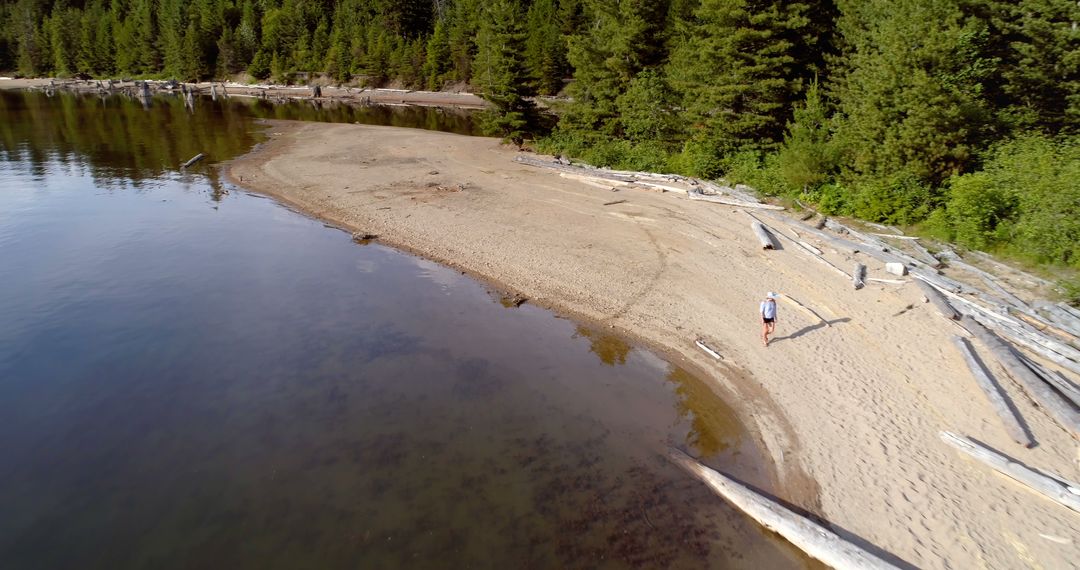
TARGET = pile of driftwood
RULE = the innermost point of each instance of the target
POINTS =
(693, 188)
(1012, 332)
(1015, 333)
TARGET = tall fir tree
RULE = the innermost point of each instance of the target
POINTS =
(502, 74)
(740, 68)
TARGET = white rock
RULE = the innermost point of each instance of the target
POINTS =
(896, 268)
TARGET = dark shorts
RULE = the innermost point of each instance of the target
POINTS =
(768, 321)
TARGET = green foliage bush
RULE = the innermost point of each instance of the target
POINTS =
(1025, 201)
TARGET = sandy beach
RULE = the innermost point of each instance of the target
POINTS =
(849, 412)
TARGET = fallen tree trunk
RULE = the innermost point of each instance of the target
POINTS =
(857, 276)
(708, 349)
(763, 235)
(1062, 492)
(697, 195)
(193, 160)
(805, 309)
(1009, 415)
(1023, 334)
(934, 297)
(1039, 391)
(814, 539)
(1056, 380)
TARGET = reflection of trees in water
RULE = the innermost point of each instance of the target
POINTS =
(116, 137)
(714, 427)
(610, 349)
(431, 118)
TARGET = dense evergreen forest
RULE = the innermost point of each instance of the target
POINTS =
(957, 116)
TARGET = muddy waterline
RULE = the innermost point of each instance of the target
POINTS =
(195, 377)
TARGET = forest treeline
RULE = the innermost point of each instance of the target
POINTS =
(957, 116)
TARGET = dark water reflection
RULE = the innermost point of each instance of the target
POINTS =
(194, 377)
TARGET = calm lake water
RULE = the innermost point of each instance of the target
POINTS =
(192, 376)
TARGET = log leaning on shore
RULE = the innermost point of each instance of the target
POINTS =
(857, 276)
(193, 160)
(937, 300)
(1009, 416)
(1062, 492)
(697, 195)
(762, 234)
(1059, 409)
(814, 539)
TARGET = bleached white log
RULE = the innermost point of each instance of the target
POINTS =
(790, 300)
(1055, 379)
(940, 303)
(814, 539)
(1053, 487)
(1055, 405)
(1008, 415)
(193, 160)
(857, 275)
(697, 195)
(763, 235)
(708, 349)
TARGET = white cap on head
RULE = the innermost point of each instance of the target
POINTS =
(771, 295)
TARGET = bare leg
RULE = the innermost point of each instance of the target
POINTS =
(765, 334)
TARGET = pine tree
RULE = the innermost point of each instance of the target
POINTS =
(502, 74)
(622, 39)
(909, 88)
(739, 71)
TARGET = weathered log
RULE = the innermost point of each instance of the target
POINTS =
(1053, 487)
(708, 349)
(894, 236)
(857, 276)
(193, 160)
(763, 235)
(697, 195)
(814, 539)
(1060, 410)
(923, 255)
(809, 247)
(1056, 380)
(889, 281)
(934, 297)
(805, 309)
(1009, 415)
(1023, 334)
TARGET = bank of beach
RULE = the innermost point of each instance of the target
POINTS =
(850, 412)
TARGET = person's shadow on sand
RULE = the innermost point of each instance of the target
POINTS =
(808, 330)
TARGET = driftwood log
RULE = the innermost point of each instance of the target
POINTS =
(1009, 415)
(857, 276)
(697, 195)
(810, 312)
(193, 160)
(763, 235)
(708, 349)
(1056, 406)
(1062, 492)
(1055, 379)
(814, 539)
(934, 297)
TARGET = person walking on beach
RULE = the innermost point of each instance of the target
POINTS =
(768, 317)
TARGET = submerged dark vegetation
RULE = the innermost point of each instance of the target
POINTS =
(958, 117)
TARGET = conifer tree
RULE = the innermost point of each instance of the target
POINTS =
(910, 87)
(738, 70)
(502, 74)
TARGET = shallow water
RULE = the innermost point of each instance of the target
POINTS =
(192, 376)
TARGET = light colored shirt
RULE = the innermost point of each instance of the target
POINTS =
(768, 309)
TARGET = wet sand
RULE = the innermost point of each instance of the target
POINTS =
(850, 413)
